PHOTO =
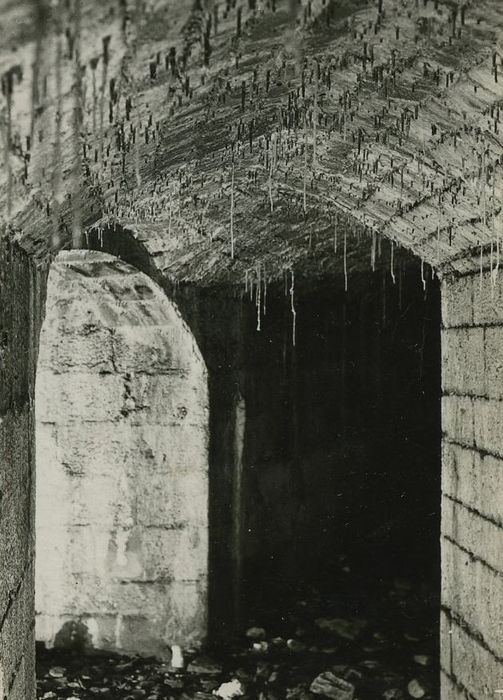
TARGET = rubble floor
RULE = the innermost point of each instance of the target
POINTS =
(383, 643)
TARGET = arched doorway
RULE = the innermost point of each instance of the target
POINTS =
(122, 463)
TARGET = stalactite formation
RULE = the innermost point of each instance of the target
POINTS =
(292, 307)
(384, 116)
(345, 263)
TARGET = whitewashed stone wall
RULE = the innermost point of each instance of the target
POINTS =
(472, 488)
(122, 462)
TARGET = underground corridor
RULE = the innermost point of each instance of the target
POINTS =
(238, 491)
(251, 349)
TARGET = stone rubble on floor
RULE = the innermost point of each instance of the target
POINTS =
(321, 649)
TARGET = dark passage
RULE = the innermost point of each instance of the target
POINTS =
(341, 475)
(342, 444)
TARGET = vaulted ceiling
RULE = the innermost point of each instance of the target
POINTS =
(231, 135)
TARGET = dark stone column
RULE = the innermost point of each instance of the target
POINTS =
(21, 297)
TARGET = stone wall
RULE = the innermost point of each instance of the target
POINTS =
(122, 463)
(472, 487)
(21, 296)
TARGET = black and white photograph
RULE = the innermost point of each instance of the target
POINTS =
(251, 349)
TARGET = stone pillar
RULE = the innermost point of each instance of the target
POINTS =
(472, 487)
(21, 289)
(122, 464)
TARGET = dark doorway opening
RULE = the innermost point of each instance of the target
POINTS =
(341, 475)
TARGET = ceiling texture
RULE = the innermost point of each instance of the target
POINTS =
(242, 135)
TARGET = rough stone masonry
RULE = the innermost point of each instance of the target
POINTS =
(122, 464)
(235, 138)
(472, 503)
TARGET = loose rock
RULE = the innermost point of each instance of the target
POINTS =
(347, 629)
(57, 672)
(232, 689)
(256, 633)
(295, 645)
(415, 689)
(329, 685)
(422, 659)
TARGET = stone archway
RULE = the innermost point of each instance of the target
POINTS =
(122, 463)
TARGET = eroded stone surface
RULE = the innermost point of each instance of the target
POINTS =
(122, 463)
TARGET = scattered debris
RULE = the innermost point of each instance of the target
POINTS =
(318, 645)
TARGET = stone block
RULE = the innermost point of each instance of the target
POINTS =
(457, 419)
(178, 500)
(95, 449)
(79, 396)
(165, 400)
(457, 301)
(473, 479)
(141, 617)
(124, 554)
(474, 666)
(473, 592)
(154, 350)
(186, 612)
(488, 426)
(487, 300)
(479, 536)
(463, 370)
(178, 553)
(75, 349)
(494, 362)
(145, 632)
(182, 448)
